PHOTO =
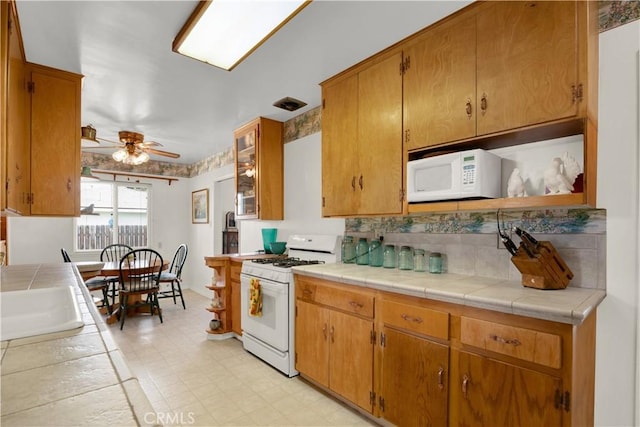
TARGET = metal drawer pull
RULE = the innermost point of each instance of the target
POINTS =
(332, 334)
(360, 182)
(512, 341)
(440, 378)
(353, 183)
(468, 108)
(465, 383)
(324, 331)
(355, 304)
(306, 291)
(411, 319)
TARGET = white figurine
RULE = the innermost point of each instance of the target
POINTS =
(554, 179)
(571, 167)
(515, 185)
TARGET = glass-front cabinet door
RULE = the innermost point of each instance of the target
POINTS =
(246, 153)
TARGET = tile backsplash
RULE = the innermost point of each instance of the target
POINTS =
(469, 243)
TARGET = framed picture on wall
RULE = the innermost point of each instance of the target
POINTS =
(200, 206)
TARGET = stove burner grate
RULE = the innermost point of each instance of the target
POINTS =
(286, 262)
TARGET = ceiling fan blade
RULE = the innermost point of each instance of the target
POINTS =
(110, 147)
(151, 144)
(107, 140)
(162, 153)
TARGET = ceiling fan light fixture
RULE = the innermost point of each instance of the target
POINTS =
(224, 32)
(136, 159)
(120, 155)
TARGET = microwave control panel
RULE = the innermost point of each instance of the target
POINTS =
(468, 170)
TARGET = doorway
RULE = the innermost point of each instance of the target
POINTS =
(223, 197)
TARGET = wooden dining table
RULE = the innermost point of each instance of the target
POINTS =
(112, 269)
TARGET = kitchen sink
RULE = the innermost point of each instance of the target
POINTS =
(38, 311)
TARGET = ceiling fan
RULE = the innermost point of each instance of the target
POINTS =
(133, 149)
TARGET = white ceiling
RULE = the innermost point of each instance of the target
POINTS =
(133, 80)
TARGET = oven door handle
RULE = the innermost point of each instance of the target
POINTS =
(266, 285)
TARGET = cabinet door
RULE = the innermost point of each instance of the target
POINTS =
(440, 85)
(18, 145)
(494, 393)
(351, 358)
(339, 147)
(312, 341)
(246, 154)
(55, 144)
(527, 63)
(415, 375)
(379, 181)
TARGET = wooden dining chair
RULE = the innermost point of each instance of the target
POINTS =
(114, 253)
(139, 275)
(94, 284)
(173, 276)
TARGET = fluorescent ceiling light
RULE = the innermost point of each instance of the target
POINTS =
(224, 32)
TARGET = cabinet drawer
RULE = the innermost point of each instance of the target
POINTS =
(416, 319)
(526, 344)
(342, 299)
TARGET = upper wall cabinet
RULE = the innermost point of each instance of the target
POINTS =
(362, 141)
(41, 133)
(494, 74)
(501, 66)
(259, 162)
(440, 84)
(43, 151)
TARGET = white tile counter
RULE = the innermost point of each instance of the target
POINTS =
(570, 305)
(75, 377)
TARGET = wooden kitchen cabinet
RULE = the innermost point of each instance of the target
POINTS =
(438, 363)
(362, 141)
(501, 394)
(509, 370)
(43, 152)
(527, 64)
(414, 363)
(334, 339)
(439, 96)
(491, 75)
(236, 317)
(259, 162)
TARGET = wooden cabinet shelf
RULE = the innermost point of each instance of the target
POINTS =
(558, 200)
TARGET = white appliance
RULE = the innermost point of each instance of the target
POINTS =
(461, 175)
(271, 336)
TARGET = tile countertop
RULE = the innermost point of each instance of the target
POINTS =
(75, 377)
(570, 305)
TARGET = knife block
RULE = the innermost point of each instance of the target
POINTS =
(545, 270)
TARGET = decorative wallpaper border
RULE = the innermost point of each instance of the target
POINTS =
(547, 221)
(613, 14)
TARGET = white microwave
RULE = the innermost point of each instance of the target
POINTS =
(472, 174)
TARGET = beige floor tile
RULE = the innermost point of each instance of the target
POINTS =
(217, 381)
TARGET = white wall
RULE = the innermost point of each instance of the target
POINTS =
(201, 237)
(617, 375)
(302, 198)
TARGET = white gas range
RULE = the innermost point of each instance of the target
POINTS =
(271, 335)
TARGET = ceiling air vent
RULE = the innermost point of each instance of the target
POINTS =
(289, 104)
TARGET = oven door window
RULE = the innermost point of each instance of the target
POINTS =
(272, 327)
